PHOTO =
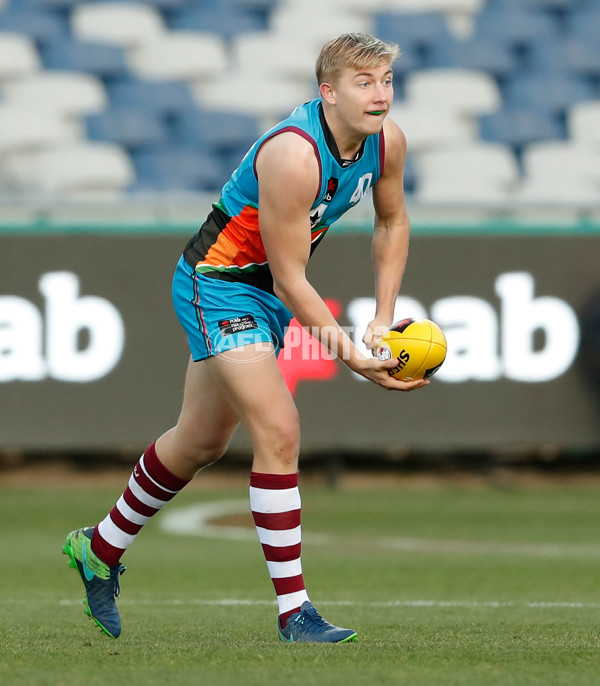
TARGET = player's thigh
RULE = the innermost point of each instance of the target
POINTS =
(253, 385)
(207, 417)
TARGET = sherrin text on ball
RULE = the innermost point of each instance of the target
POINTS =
(418, 345)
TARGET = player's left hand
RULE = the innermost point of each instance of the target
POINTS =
(375, 330)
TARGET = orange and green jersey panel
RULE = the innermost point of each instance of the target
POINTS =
(229, 246)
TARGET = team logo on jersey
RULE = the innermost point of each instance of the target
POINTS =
(317, 214)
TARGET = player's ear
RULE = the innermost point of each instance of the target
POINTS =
(327, 93)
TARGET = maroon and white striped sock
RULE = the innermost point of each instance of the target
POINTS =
(150, 487)
(276, 507)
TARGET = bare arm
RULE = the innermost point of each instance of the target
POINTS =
(288, 177)
(391, 234)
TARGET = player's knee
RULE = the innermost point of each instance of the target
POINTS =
(283, 442)
(201, 453)
(207, 453)
(287, 442)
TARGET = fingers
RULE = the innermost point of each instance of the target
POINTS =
(375, 342)
(370, 340)
(378, 372)
(373, 334)
(404, 384)
(408, 385)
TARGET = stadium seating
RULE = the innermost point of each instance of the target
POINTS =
(177, 169)
(576, 55)
(259, 7)
(81, 169)
(460, 90)
(266, 102)
(295, 59)
(68, 92)
(132, 128)
(582, 123)
(25, 128)
(220, 131)
(222, 20)
(169, 99)
(426, 130)
(470, 173)
(18, 56)
(475, 54)
(126, 24)
(457, 14)
(98, 59)
(178, 90)
(446, 7)
(410, 175)
(178, 55)
(316, 21)
(554, 5)
(518, 127)
(514, 25)
(38, 24)
(416, 34)
(555, 92)
(584, 20)
(567, 170)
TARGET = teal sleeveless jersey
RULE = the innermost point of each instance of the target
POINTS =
(229, 246)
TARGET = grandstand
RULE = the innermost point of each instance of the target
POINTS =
(499, 99)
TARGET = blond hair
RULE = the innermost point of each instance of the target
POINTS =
(356, 50)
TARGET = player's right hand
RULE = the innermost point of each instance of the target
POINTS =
(377, 371)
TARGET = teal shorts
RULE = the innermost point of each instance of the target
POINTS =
(218, 316)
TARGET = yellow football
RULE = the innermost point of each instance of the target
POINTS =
(418, 345)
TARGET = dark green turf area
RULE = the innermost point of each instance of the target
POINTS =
(447, 586)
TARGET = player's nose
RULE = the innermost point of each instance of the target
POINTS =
(382, 93)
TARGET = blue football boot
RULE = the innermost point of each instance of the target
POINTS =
(307, 626)
(101, 581)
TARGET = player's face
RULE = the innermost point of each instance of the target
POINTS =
(364, 97)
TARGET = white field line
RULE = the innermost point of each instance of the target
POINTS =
(197, 520)
(241, 602)
(247, 602)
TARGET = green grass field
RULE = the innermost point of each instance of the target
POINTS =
(447, 585)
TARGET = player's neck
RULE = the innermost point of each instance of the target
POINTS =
(348, 142)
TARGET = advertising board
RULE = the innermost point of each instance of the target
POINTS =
(93, 358)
